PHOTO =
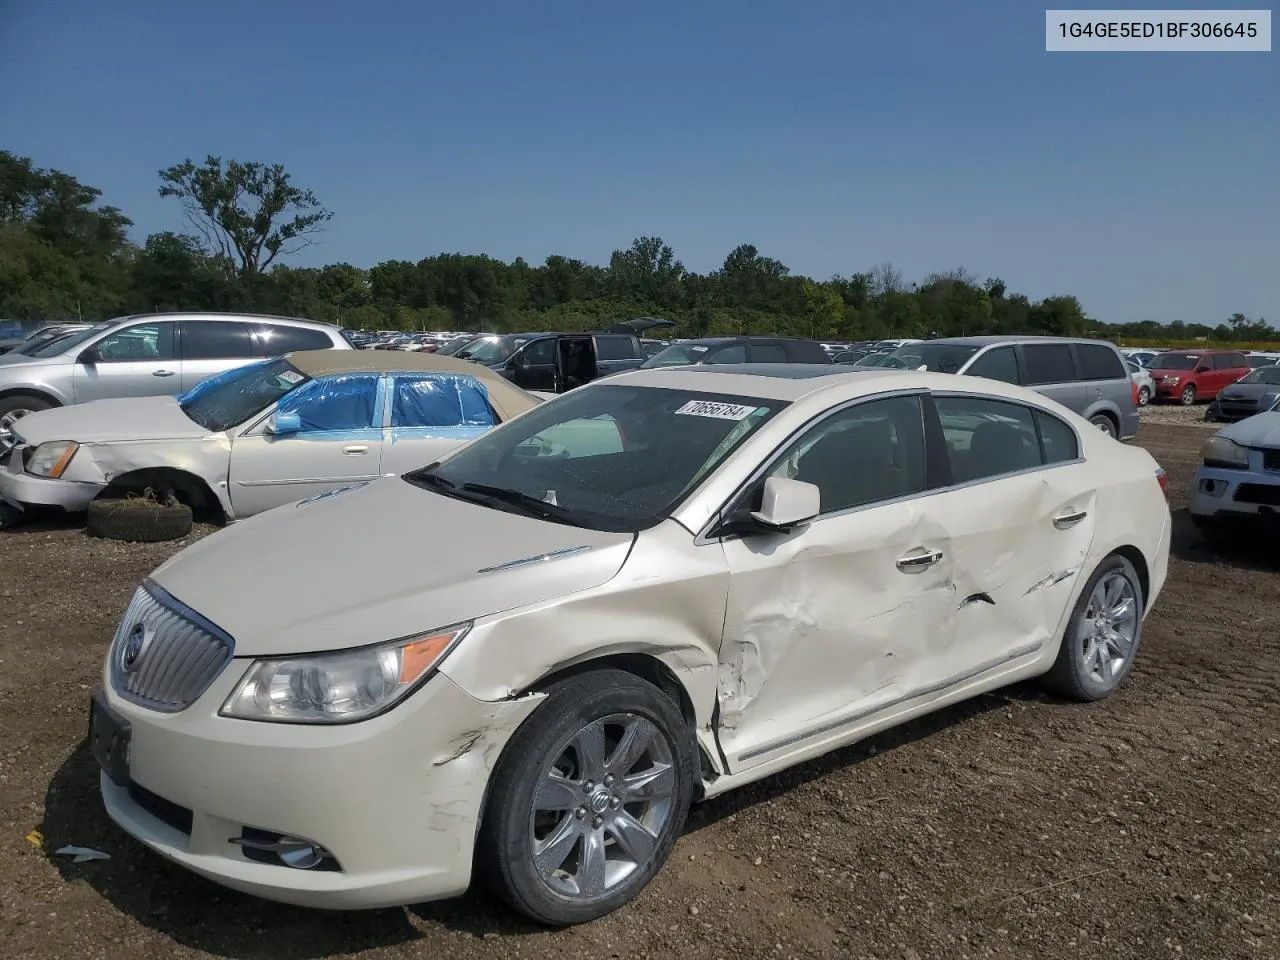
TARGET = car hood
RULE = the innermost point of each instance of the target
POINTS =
(1260, 430)
(379, 561)
(111, 421)
(13, 359)
(1250, 391)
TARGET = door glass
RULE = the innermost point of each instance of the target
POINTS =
(337, 403)
(442, 400)
(539, 353)
(615, 348)
(734, 354)
(1099, 362)
(214, 340)
(998, 364)
(867, 453)
(987, 438)
(768, 353)
(146, 341)
(1048, 363)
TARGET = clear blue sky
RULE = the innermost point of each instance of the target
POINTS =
(833, 134)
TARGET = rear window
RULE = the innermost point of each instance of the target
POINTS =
(1048, 363)
(615, 348)
(1099, 362)
(216, 340)
(274, 340)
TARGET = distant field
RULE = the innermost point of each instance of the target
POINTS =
(1266, 346)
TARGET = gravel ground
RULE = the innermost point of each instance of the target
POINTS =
(1019, 826)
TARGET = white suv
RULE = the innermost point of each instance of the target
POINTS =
(148, 355)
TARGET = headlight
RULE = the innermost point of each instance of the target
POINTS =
(340, 687)
(1221, 452)
(51, 459)
(1171, 380)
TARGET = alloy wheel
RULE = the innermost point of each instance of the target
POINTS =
(1110, 628)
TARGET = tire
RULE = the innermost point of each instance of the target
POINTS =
(16, 406)
(545, 755)
(1144, 396)
(1106, 425)
(1188, 396)
(10, 516)
(138, 520)
(1080, 673)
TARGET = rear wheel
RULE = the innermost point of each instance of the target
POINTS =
(1105, 424)
(588, 799)
(1188, 395)
(1144, 395)
(1102, 635)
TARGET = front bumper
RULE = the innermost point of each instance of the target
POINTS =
(395, 799)
(1167, 391)
(23, 490)
(1224, 493)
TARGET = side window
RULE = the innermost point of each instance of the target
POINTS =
(1229, 361)
(441, 400)
(737, 353)
(214, 340)
(864, 454)
(572, 439)
(539, 353)
(1056, 438)
(1048, 363)
(276, 339)
(146, 341)
(615, 348)
(343, 402)
(987, 438)
(1000, 363)
(768, 353)
(1099, 362)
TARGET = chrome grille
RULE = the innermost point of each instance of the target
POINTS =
(164, 655)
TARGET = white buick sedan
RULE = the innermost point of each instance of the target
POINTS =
(532, 655)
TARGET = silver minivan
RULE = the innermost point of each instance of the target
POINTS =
(1087, 376)
(147, 355)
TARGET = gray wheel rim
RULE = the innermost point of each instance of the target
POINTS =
(8, 420)
(1188, 396)
(1104, 424)
(1110, 628)
(1144, 396)
(601, 805)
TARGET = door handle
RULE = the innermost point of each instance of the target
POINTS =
(162, 373)
(355, 451)
(1069, 518)
(915, 562)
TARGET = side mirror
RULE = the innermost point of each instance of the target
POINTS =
(90, 355)
(787, 503)
(283, 424)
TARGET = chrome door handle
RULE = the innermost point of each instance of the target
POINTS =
(915, 562)
(1069, 518)
(162, 373)
(355, 451)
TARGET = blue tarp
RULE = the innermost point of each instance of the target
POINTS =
(334, 403)
(440, 400)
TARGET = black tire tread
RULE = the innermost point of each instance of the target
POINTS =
(138, 520)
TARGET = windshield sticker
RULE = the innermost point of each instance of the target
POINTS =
(289, 376)
(720, 411)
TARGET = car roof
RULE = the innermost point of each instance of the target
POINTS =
(505, 395)
(1008, 338)
(780, 381)
(225, 317)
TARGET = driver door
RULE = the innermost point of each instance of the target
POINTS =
(534, 366)
(339, 441)
(136, 361)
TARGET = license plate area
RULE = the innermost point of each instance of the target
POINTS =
(110, 737)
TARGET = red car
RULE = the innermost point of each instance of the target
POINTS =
(1191, 375)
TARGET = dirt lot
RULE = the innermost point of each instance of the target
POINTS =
(1017, 826)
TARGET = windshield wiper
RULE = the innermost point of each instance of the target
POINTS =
(526, 502)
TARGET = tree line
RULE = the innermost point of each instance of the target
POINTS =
(65, 255)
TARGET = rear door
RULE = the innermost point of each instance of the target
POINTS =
(340, 442)
(1050, 369)
(212, 346)
(136, 361)
(430, 414)
(1020, 512)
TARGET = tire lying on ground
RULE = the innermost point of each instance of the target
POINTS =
(138, 519)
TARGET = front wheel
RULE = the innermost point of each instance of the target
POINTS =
(588, 799)
(1188, 395)
(14, 408)
(1102, 635)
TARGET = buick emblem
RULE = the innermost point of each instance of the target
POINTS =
(134, 644)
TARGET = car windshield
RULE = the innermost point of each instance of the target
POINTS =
(1175, 361)
(938, 357)
(873, 360)
(1262, 361)
(1262, 375)
(59, 343)
(231, 398)
(455, 346)
(609, 457)
(491, 349)
(676, 355)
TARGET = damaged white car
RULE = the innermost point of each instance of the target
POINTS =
(533, 655)
(258, 436)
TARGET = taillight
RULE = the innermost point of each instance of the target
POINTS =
(1163, 479)
(1134, 387)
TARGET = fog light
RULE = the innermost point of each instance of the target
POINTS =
(1212, 488)
(263, 846)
